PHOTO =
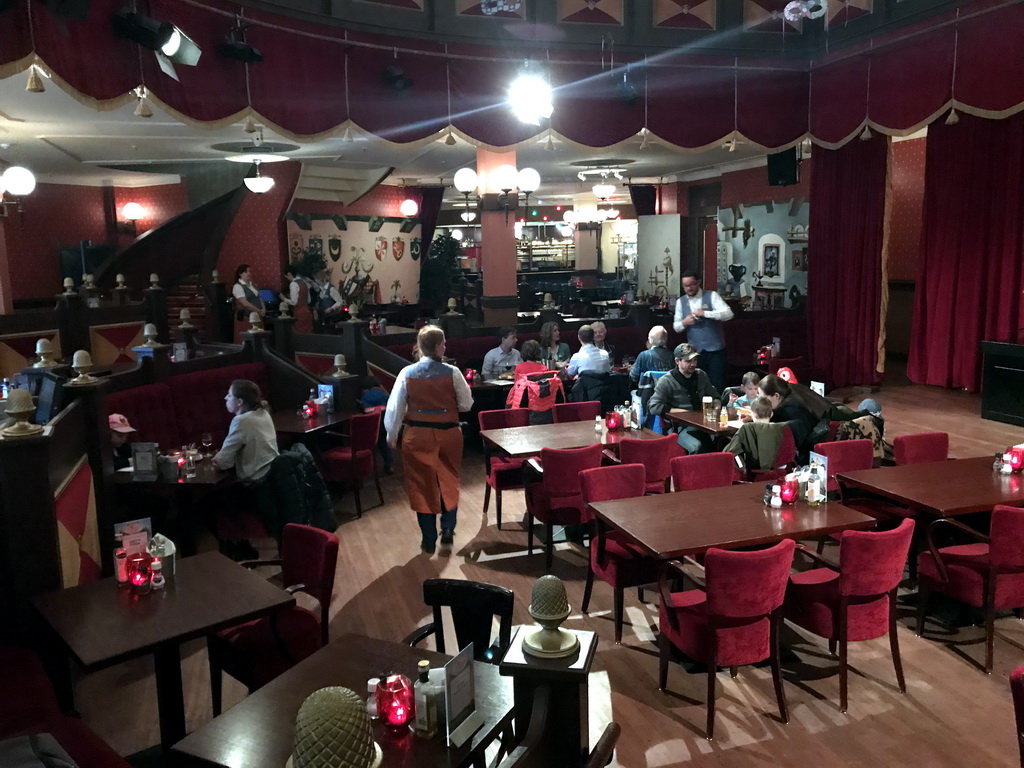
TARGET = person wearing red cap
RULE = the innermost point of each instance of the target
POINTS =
(119, 431)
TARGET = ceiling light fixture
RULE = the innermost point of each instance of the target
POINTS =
(603, 191)
(258, 184)
(468, 216)
(409, 208)
(142, 108)
(35, 78)
(529, 95)
(169, 44)
(130, 215)
(15, 182)
(235, 47)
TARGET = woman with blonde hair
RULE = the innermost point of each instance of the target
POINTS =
(423, 411)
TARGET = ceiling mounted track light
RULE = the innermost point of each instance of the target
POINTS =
(169, 44)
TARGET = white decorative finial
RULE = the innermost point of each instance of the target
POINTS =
(20, 408)
(120, 280)
(69, 286)
(44, 348)
(154, 280)
(339, 367)
(185, 316)
(150, 332)
(81, 363)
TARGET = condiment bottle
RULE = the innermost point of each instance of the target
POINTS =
(371, 698)
(157, 581)
(425, 724)
(776, 500)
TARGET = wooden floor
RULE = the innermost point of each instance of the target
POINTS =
(952, 714)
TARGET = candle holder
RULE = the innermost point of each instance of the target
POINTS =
(613, 420)
(140, 574)
(470, 375)
(396, 703)
(1016, 454)
(790, 490)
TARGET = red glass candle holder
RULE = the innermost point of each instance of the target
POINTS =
(1016, 458)
(470, 375)
(396, 702)
(789, 490)
(613, 420)
(139, 573)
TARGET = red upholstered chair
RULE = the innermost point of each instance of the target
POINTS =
(553, 494)
(612, 559)
(588, 410)
(784, 458)
(846, 456)
(921, 448)
(735, 621)
(1017, 689)
(988, 574)
(656, 457)
(256, 652)
(351, 463)
(855, 600)
(503, 472)
(702, 470)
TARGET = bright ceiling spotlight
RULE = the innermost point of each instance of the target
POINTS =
(169, 44)
(529, 96)
(409, 208)
(258, 184)
(603, 191)
(18, 181)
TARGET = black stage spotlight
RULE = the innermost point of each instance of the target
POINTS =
(394, 78)
(235, 47)
(167, 42)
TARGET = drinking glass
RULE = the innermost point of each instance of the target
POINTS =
(207, 441)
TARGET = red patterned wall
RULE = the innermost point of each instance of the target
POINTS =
(751, 186)
(907, 199)
(258, 236)
(55, 215)
(58, 215)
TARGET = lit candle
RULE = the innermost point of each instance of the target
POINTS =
(395, 702)
(1016, 458)
(790, 489)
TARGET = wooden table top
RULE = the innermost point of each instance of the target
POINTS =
(671, 525)
(102, 623)
(527, 441)
(259, 731)
(206, 475)
(696, 419)
(291, 423)
(943, 488)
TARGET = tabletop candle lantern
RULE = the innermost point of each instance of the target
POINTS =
(396, 705)
(139, 574)
(790, 489)
(1016, 454)
(613, 420)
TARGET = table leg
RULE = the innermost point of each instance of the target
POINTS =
(169, 695)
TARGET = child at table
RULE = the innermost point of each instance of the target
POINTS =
(757, 442)
(372, 398)
(743, 395)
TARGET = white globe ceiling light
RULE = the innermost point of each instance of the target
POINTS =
(132, 212)
(409, 208)
(457, 234)
(18, 181)
(529, 97)
(258, 184)
(504, 177)
(528, 180)
(603, 191)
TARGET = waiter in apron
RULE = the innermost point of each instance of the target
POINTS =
(424, 406)
(247, 299)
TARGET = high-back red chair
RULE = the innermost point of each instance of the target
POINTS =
(921, 447)
(351, 463)
(553, 494)
(702, 470)
(988, 574)
(612, 558)
(256, 652)
(588, 410)
(656, 457)
(1017, 689)
(846, 456)
(734, 621)
(784, 459)
(855, 600)
(503, 472)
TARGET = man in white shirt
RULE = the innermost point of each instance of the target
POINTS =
(589, 359)
(504, 357)
(701, 313)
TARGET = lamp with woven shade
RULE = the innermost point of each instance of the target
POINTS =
(332, 730)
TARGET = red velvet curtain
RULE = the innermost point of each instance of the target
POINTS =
(844, 282)
(971, 271)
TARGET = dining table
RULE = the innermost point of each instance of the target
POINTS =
(682, 417)
(668, 526)
(521, 442)
(292, 424)
(941, 488)
(259, 731)
(101, 623)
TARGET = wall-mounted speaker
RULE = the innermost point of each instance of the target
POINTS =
(783, 168)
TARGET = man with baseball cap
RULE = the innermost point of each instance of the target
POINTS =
(684, 387)
(119, 431)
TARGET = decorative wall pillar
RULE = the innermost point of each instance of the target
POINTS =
(500, 300)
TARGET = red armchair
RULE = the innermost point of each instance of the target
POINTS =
(656, 457)
(612, 558)
(921, 447)
(256, 652)
(855, 600)
(846, 456)
(553, 493)
(988, 574)
(588, 410)
(352, 462)
(735, 621)
(503, 472)
(702, 470)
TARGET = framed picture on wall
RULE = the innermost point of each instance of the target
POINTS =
(799, 259)
(771, 261)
